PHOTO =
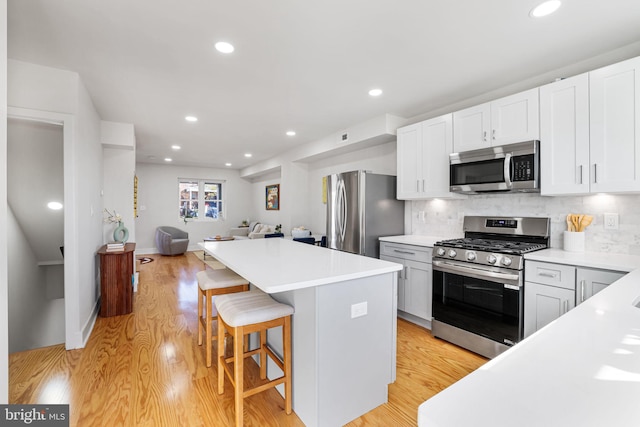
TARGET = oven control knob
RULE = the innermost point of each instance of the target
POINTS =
(471, 256)
(491, 259)
(506, 261)
(441, 252)
(452, 253)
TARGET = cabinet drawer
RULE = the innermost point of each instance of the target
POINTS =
(562, 276)
(409, 252)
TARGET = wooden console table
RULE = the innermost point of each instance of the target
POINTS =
(116, 271)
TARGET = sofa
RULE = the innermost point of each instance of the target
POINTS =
(171, 240)
(255, 230)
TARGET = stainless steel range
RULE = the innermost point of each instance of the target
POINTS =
(478, 282)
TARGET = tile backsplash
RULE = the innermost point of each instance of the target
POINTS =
(443, 218)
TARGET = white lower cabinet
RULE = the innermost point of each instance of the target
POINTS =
(551, 290)
(414, 280)
(590, 281)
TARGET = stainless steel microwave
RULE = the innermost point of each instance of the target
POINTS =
(504, 168)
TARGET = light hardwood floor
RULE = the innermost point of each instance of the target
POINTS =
(146, 369)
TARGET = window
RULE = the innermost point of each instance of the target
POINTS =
(200, 198)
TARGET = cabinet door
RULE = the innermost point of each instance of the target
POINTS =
(401, 280)
(515, 118)
(589, 282)
(564, 136)
(471, 128)
(543, 304)
(409, 162)
(615, 120)
(418, 287)
(437, 144)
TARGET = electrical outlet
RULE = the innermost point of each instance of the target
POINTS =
(611, 221)
(358, 310)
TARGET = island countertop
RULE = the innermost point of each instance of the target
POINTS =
(278, 265)
(583, 369)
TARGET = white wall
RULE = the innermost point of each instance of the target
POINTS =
(60, 95)
(158, 203)
(4, 309)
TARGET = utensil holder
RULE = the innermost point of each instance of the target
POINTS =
(574, 241)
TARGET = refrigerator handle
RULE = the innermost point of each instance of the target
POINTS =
(342, 209)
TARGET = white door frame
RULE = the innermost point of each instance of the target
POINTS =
(71, 256)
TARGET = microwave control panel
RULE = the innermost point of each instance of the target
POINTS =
(523, 169)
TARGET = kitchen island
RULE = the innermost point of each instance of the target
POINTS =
(583, 369)
(343, 329)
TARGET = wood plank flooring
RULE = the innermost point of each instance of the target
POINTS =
(146, 369)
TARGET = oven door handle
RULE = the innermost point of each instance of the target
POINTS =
(447, 267)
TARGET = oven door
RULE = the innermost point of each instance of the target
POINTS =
(488, 302)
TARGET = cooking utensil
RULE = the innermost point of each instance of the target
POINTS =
(575, 221)
(569, 223)
(585, 222)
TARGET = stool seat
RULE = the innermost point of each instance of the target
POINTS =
(219, 278)
(210, 284)
(250, 307)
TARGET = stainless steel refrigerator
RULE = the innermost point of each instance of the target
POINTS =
(361, 207)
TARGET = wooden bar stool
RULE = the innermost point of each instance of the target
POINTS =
(242, 314)
(211, 283)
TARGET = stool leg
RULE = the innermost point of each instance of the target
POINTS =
(238, 367)
(286, 344)
(263, 354)
(221, 374)
(209, 326)
(200, 296)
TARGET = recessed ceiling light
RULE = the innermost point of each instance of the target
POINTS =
(247, 154)
(227, 164)
(168, 159)
(54, 206)
(291, 133)
(191, 119)
(175, 147)
(544, 9)
(375, 92)
(224, 47)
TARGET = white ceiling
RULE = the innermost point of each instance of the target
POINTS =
(300, 65)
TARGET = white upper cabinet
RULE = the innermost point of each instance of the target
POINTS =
(423, 159)
(564, 136)
(615, 127)
(409, 162)
(507, 120)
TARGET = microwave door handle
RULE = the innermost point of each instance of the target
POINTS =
(507, 170)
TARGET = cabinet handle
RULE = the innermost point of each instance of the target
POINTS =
(580, 174)
(582, 283)
(417, 185)
(423, 185)
(406, 274)
(404, 252)
(484, 135)
(546, 274)
(595, 173)
(566, 306)
(493, 134)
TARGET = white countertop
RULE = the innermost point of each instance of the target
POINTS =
(581, 370)
(411, 239)
(606, 261)
(278, 265)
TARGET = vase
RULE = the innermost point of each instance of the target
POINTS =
(121, 234)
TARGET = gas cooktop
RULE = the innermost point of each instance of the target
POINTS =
(489, 245)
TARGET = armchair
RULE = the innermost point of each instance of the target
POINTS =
(171, 240)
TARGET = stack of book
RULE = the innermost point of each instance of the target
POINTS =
(115, 247)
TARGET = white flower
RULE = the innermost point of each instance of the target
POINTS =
(112, 217)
